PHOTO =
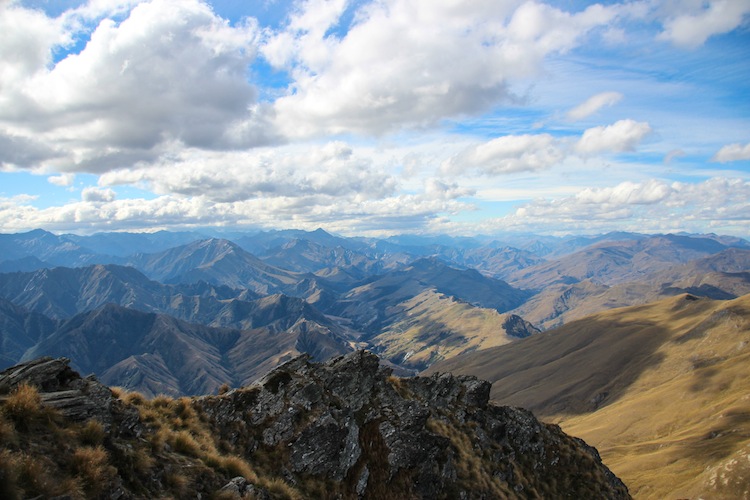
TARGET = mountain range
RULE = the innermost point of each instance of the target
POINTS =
(414, 301)
(634, 342)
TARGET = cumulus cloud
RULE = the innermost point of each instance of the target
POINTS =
(535, 152)
(169, 74)
(626, 193)
(62, 179)
(507, 154)
(26, 37)
(695, 22)
(438, 189)
(594, 104)
(333, 169)
(732, 152)
(412, 64)
(621, 136)
(23, 152)
(345, 216)
(94, 194)
(652, 205)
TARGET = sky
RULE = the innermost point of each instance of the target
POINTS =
(375, 117)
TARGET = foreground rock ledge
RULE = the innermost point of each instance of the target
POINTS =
(342, 429)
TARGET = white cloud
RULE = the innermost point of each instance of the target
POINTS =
(621, 136)
(507, 154)
(732, 152)
(626, 193)
(93, 194)
(62, 179)
(594, 104)
(438, 189)
(170, 74)
(649, 206)
(697, 21)
(345, 216)
(412, 64)
(26, 37)
(332, 170)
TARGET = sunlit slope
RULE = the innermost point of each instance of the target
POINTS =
(662, 390)
(431, 326)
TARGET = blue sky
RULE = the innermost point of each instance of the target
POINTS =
(375, 118)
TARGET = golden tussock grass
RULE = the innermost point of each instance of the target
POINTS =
(91, 433)
(469, 465)
(91, 465)
(23, 403)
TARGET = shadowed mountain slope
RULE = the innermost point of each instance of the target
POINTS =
(215, 261)
(661, 389)
(62, 292)
(156, 353)
(20, 330)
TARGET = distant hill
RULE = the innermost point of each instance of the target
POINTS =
(367, 304)
(616, 262)
(123, 244)
(720, 276)
(660, 389)
(432, 326)
(429, 311)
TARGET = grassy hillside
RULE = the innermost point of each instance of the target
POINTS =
(662, 390)
(431, 327)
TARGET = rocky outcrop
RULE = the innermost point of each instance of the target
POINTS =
(342, 429)
(76, 399)
(350, 423)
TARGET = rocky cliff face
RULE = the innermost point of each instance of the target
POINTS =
(343, 429)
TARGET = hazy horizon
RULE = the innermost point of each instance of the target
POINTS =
(373, 118)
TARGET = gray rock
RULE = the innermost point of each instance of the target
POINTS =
(348, 421)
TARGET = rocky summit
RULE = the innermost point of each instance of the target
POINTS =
(345, 429)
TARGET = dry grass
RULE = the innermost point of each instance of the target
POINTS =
(177, 483)
(183, 442)
(470, 467)
(91, 465)
(27, 476)
(434, 327)
(278, 488)
(23, 403)
(91, 433)
(672, 380)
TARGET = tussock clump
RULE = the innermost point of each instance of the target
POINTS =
(23, 403)
(91, 465)
(183, 442)
(92, 433)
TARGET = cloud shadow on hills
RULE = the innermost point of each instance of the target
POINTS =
(576, 369)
